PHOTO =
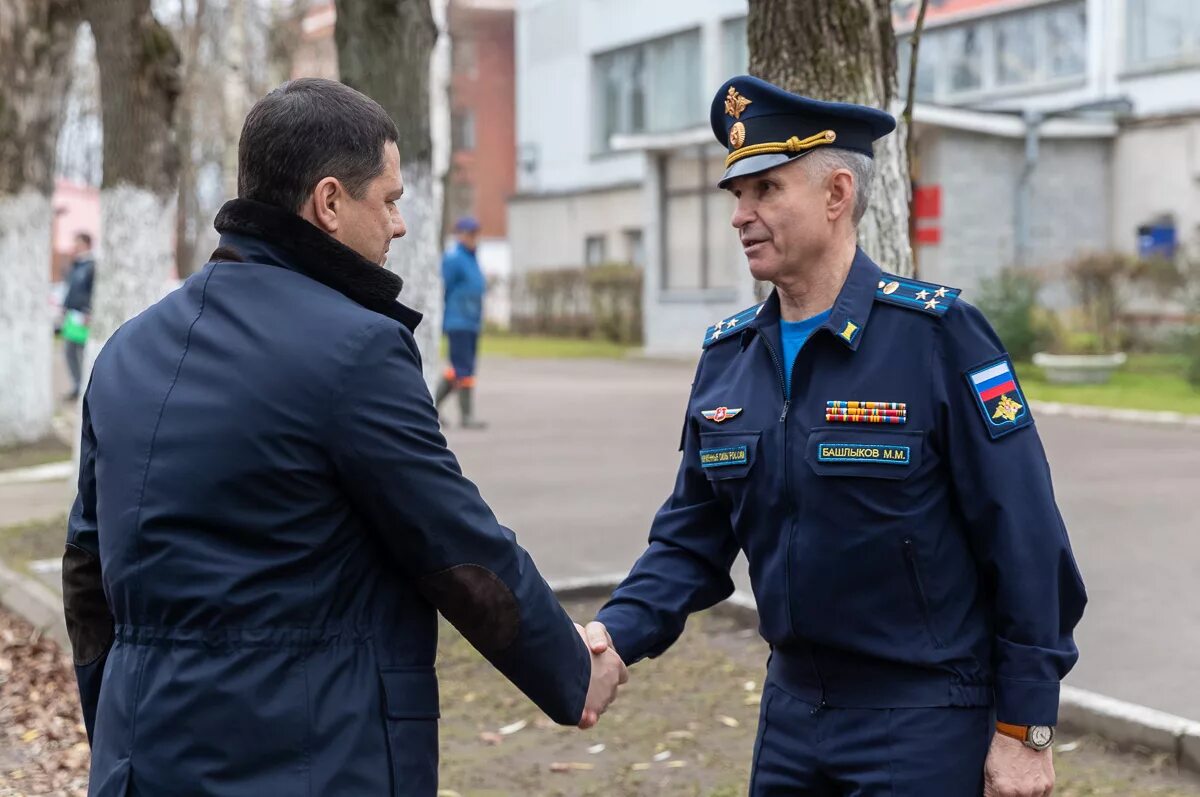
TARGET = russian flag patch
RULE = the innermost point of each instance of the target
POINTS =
(999, 397)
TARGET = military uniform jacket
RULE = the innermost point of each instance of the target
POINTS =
(896, 512)
(268, 523)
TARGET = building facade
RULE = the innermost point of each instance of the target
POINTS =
(615, 161)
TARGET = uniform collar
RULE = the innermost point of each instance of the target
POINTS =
(850, 311)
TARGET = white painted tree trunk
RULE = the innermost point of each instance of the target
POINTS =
(134, 266)
(26, 331)
(883, 231)
(418, 258)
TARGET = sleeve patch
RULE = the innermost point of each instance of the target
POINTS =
(999, 398)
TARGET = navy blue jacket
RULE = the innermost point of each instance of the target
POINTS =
(268, 522)
(464, 285)
(907, 563)
(80, 280)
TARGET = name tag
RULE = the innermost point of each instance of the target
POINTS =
(860, 452)
(720, 457)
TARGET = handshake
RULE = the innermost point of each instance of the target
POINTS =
(608, 672)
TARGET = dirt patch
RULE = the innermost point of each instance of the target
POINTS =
(46, 450)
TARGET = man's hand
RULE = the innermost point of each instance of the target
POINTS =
(608, 673)
(1014, 770)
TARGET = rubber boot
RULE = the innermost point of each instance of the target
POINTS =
(444, 388)
(466, 404)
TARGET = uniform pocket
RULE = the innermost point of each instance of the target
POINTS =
(410, 697)
(728, 455)
(864, 453)
(918, 584)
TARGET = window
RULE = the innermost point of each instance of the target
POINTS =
(1016, 50)
(462, 132)
(648, 88)
(1162, 32)
(1066, 45)
(735, 54)
(964, 58)
(594, 253)
(635, 250)
(1024, 49)
(463, 57)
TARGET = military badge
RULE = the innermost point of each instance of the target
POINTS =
(735, 103)
(895, 412)
(737, 135)
(724, 457)
(721, 414)
(999, 397)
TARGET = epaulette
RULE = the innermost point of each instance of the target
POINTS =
(722, 329)
(928, 297)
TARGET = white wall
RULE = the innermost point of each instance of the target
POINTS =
(1157, 172)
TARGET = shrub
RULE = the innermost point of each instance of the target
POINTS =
(1009, 300)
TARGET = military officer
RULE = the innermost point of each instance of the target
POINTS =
(864, 439)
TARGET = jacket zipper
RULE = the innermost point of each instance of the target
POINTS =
(910, 553)
(787, 403)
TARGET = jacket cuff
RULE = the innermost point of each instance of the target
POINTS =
(623, 626)
(1026, 702)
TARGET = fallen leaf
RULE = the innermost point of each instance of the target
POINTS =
(642, 767)
(749, 686)
(491, 738)
(676, 735)
(596, 748)
(513, 727)
(676, 764)
(571, 766)
(663, 756)
(728, 722)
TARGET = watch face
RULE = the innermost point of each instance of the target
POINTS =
(1040, 736)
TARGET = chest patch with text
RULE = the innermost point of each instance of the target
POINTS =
(863, 452)
(723, 457)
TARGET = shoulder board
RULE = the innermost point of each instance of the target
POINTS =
(928, 297)
(722, 329)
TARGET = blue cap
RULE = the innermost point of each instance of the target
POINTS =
(466, 224)
(764, 126)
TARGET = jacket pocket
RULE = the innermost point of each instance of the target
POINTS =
(914, 577)
(728, 455)
(410, 697)
(864, 453)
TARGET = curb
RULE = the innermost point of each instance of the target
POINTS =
(38, 604)
(1116, 414)
(1129, 725)
(52, 471)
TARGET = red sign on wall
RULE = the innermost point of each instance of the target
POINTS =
(927, 214)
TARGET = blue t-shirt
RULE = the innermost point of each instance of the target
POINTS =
(793, 334)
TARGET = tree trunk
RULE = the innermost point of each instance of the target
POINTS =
(385, 50)
(139, 87)
(191, 32)
(36, 38)
(844, 51)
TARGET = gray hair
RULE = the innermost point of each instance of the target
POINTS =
(820, 162)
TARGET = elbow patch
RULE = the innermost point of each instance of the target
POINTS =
(476, 602)
(89, 621)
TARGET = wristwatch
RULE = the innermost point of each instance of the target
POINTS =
(1036, 737)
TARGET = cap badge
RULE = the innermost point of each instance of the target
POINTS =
(737, 135)
(735, 103)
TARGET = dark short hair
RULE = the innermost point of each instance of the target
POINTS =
(85, 237)
(307, 130)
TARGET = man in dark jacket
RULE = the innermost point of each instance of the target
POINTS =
(78, 300)
(269, 520)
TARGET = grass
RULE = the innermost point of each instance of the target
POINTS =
(498, 344)
(1146, 382)
(48, 449)
(27, 542)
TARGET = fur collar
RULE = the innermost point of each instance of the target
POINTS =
(317, 255)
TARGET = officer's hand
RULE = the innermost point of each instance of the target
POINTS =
(1014, 770)
(608, 673)
(597, 637)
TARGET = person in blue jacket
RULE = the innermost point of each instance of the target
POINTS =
(862, 437)
(268, 519)
(463, 319)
